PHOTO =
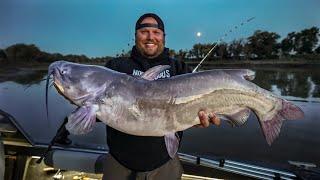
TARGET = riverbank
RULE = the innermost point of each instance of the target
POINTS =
(211, 64)
(257, 63)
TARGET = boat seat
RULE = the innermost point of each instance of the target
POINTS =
(6, 125)
(76, 161)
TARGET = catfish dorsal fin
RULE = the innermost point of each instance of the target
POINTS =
(246, 74)
(152, 73)
(249, 75)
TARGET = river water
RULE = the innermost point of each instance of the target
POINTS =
(22, 94)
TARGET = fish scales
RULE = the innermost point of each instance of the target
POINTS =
(143, 107)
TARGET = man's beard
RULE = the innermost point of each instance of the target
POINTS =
(151, 53)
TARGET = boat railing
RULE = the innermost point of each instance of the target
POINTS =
(238, 167)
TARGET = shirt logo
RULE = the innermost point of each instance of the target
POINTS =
(164, 74)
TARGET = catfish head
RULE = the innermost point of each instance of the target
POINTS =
(81, 85)
(78, 83)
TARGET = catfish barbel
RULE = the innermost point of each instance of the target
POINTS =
(146, 107)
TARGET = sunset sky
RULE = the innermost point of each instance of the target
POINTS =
(98, 28)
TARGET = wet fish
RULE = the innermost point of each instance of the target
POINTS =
(144, 107)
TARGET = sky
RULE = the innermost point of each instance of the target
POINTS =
(98, 28)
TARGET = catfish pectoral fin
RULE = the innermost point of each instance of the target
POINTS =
(236, 118)
(81, 121)
(172, 144)
(240, 117)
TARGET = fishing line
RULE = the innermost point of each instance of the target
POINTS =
(220, 40)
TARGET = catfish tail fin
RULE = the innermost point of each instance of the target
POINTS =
(271, 127)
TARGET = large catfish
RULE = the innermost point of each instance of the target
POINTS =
(146, 107)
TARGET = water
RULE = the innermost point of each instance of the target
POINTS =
(299, 139)
(22, 94)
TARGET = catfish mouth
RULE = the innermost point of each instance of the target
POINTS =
(56, 80)
(61, 90)
(58, 86)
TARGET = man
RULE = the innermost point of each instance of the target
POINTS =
(141, 157)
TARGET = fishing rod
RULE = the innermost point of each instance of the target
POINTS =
(219, 41)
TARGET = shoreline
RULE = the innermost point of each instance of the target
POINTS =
(217, 63)
(253, 63)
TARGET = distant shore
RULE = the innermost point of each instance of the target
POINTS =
(254, 63)
(217, 63)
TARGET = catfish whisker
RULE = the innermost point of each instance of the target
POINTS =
(51, 84)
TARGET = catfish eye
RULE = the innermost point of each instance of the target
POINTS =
(63, 71)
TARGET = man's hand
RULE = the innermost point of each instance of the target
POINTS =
(207, 117)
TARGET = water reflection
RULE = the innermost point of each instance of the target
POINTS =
(23, 76)
(301, 83)
(298, 139)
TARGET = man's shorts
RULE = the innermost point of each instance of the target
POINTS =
(113, 170)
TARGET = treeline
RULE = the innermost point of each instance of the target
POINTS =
(260, 45)
(31, 53)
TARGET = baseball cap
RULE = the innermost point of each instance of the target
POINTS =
(160, 24)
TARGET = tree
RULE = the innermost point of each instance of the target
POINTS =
(263, 44)
(172, 53)
(200, 50)
(196, 51)
(221, 51)
(317, 50)
(124, 53)
(235, 49)
(22, 52)
(182, 54)
(3, 55)
(288, 43)
(306, 40)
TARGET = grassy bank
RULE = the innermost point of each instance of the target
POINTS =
(192, 63)
(253, 63)
(35, 65)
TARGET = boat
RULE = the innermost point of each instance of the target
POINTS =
(22, 152)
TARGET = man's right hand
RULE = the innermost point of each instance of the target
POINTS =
(206, 118)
